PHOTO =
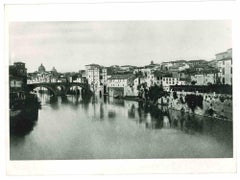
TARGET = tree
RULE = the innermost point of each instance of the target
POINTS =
(193, 101)
(175, 95)
(155, 92)
(193, 82)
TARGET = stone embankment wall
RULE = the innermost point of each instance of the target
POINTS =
(216, 105)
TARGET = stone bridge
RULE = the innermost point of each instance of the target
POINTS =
(59, 88)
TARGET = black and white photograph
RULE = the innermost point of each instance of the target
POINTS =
(120, 89)
(81, 90)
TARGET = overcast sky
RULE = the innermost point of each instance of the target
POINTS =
(70, 45)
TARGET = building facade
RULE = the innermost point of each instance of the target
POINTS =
(169, 81)
(122, 85)
(204, 79)
(17, 77)
(224, 63)
(97, 78)
(17, 82)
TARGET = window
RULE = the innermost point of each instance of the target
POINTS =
(223, 71)
(223, 80)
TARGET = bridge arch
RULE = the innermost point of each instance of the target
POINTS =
(50, 88)
(60, 88)
(68, 88)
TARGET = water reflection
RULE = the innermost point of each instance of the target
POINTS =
(154, 117)
(111, 114)
(101, 111)
(162, 117)
(93, 127)
(131, 111)
(64, 99)
(23, 124)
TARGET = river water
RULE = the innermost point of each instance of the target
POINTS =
(107, 128)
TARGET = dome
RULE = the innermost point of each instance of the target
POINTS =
(41, 68)
(54, 69)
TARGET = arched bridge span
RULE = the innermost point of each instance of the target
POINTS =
(64, 87)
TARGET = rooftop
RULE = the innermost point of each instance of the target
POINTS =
(19, 62)
(199, 60)
(93, 65)
(122, 76)
(223, 59)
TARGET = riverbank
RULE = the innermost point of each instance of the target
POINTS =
(209, 105)
(23, 113)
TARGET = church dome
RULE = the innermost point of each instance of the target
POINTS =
(41, 68)
(54, 69)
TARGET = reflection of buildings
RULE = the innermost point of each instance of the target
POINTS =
(224, 60)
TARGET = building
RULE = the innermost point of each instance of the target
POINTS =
(127, 68)
(213, 63)
(17, 82)
(204, 75)
(17, 77)
(164, 79)
(169, 81)
(43, 76)
(122, 85)
(41, 68)
(166, 65)
(176, 68)
(204, 79)
(224, 63)
(97, 78)
(153, 66)
(194, 63)
(146, 74)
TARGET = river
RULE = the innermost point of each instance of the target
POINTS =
(106, 128)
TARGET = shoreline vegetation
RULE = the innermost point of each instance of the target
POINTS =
(192, 103)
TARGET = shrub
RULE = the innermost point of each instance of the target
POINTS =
(175, 95)
(193, 101)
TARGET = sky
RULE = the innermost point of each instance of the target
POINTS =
(69, 46)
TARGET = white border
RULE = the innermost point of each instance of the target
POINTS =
(125, 11)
